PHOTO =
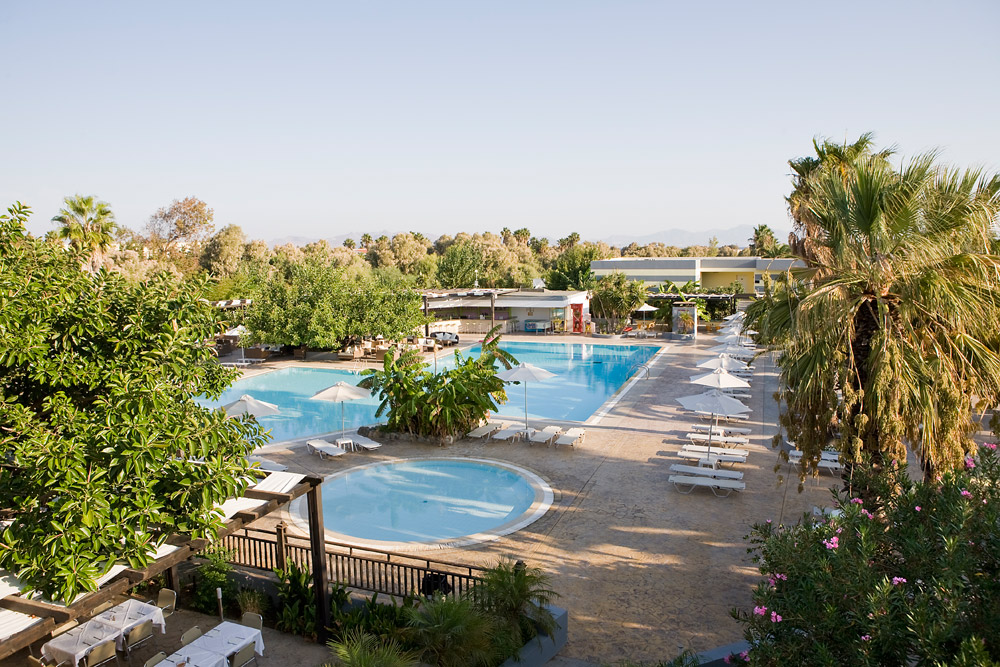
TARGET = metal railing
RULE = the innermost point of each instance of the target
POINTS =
(354, 567)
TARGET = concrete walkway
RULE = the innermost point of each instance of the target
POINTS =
(644, 570)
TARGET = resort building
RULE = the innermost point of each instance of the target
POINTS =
(709, 272)
(517, 310)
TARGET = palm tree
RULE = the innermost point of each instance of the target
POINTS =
(451, 632)
(893, 330)
(366, 240)
(764, 244)
(89, 226)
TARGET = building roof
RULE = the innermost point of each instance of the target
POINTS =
(505, 298)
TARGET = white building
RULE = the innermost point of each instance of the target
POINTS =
(709, 272)
(530, 310)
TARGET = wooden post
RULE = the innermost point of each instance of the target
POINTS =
(279, 547)
(170, 574)
(427, 325)
(321, 580)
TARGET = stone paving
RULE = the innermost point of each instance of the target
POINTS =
(643, 569)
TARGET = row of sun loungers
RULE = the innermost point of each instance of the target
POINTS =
(326, 449)
(829, 460)
(550, 435)
(720, 430)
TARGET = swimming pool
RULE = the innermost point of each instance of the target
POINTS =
(430, 502)
(586, 376)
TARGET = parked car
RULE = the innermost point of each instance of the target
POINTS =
(446, 337)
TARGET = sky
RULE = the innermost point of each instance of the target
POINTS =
(604, 118)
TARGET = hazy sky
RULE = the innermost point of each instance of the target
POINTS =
(614, 117)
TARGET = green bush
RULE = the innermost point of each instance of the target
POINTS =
(374, 618)
(910, 575)
(515, 596)
(252, 601)
(213, 574)
(359, 649)
(296, 601)
(451, 632)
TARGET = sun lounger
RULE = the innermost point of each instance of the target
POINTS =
(702, 471)
(486, 430)
(511, 434)
(712, 460)
(324, 449)
(826, 454)
(721, 430)
(570, 437)
(364, 443)
(705, 449)
(833, 466)
(267, 464)
(545, 436)
(721, 440)
(716, 485)
(729, 418)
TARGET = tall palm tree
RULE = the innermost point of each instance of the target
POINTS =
(893, 330)
(89, 226)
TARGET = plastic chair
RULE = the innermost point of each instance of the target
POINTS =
(138, 636)
(101, 654)
(252, 620)
(190, 635)
(156, 659)
(244, 656)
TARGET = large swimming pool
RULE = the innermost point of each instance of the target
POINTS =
(430, 502)
(586, 376)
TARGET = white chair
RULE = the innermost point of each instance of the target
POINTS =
(571, 437)
(324, 449)
(190, 635)
(714, 484)
(546, 435)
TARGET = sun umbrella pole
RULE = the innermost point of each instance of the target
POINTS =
(711, 432)
(525, 406)
(343, 421)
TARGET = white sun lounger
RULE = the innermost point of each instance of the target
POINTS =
(512, 434)
(702, 471)
(705, 449)
(730, 418)
(545, 436)
(826, 454)
(712, 460)
(722, 440)
(486, 430)
(267, 464)
(364, 443)
(822, 464)
(716, 485)
(721, 430)
(324, 448)
(570, 437)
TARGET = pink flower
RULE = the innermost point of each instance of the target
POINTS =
(969, 463)
(783, 577)
(990, 445)
(917, 508)
(896, 581)
(857, 501)
(965, 494)
(726, 660)
(760, 611)
(769, 522)
(839, 530)
(745, 655)
(868, 514)
(866, 638)
(775, 617)
(832, 543)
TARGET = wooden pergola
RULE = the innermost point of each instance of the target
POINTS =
(289, 487)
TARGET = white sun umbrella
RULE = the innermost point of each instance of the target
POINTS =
(525, 373)
(724, 361)
(248, 405)
(646, 308)
(730, 338)
(735, 316)
(720, 379)
(717, 404)
(338, 393)
(731, 350)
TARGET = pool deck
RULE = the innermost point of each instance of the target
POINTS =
(644, 570)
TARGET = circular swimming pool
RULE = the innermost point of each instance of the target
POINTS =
(430, 503)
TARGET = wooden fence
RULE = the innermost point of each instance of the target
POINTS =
(354, 567)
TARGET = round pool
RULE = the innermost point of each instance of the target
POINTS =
(429, 503)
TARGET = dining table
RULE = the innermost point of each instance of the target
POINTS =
(192, 656)
(129, 614)
(227, 638)
(71, 646)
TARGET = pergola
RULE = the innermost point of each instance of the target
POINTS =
(24, 619)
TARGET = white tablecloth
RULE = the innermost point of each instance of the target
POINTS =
(191, 656)
(71, 646)
(129, 614)
(227, 638)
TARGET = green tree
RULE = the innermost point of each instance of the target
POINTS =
(569, 241)
(616, 297)
(349, 244)
(571, 269)
(366, 240)
(888, 337)
(361, 649)
(223, 253)
(185, 221)
(517, 596)
(89, 226)
(99, 426)
(460, 265)
(451, 632)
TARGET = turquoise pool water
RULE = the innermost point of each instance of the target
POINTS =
(586, 376)
(429, 500)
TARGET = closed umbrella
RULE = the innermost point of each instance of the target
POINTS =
(338, 393)
(248, 405)
(525, 373)
(724, 361)
(717, 404)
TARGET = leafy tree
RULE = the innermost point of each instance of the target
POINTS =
(89, 226)
(764, 244)
(616, 297)
(887, 338)
(522, 235)
(460, 265)
(98, 423)
(571, 269)
(256, 252)
(224, 251)
(187, 220)
(569, 241)
(350, 244)
(910, 576)
(366, 240)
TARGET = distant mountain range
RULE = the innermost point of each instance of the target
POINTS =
(739, 235)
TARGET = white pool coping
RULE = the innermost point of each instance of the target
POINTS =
(543, 500)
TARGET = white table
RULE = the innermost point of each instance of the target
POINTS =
(346, 443)
(71, 646)
(191, 656)
(227, 638)
(129, 614)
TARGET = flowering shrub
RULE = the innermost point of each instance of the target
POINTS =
(909, 576)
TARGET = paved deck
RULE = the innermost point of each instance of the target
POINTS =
(643, 569)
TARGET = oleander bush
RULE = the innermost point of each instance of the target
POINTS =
(910, 575)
